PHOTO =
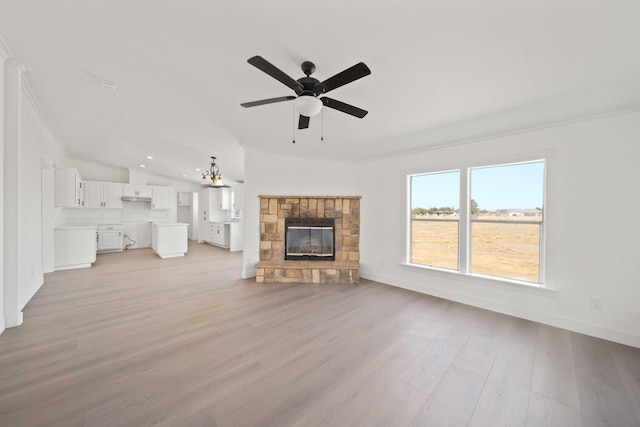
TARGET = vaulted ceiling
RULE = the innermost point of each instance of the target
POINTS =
(442, 71)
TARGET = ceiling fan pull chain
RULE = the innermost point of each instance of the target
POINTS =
(293, 130)
(322, 125)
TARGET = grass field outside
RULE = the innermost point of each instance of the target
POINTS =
(506, 247)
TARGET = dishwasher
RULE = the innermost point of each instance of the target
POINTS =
(110, 238)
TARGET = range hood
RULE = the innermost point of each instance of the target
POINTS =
(136, 199)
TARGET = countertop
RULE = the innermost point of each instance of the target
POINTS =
(77, 227)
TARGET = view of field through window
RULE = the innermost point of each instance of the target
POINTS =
(505, 220)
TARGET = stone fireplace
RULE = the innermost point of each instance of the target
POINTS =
(309, 239)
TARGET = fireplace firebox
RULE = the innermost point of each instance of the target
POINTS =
(311, 239)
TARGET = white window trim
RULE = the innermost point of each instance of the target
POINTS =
(464, 167)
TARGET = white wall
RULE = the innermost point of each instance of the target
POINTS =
(591, 216)
(4, 54)
(28, 145)
(267, 174)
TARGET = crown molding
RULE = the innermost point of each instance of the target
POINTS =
(526, 129)
(31, 96)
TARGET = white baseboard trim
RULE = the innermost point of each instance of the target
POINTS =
(26, 297)
(522, 313)
(249, 272)
(11, 321)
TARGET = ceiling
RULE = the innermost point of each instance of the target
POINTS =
(442, 71)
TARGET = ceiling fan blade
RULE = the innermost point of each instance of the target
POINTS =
(303, 123)
(266, 66)
(345, 108)
(267, 101)
(349, 75)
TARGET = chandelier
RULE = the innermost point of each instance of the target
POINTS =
(213, 176)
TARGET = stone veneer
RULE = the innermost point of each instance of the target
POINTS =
(272, 267)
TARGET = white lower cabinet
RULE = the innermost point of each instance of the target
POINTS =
(218, 234)
(74, 247)
(169, 240)
(110, 238)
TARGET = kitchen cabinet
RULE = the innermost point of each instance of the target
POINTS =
(218, 234)
(169, 239)
(235, 237)
(208, 209)
(160, 197)
(74, 247)
(219, 200)
(68, 188)
(184, 198)
(102, 195)
(110, 238)
(224, 198)
(135, 190)
(237, 196)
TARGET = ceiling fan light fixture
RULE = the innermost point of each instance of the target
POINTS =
(308, 105)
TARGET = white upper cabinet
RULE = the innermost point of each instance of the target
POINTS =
(102, 195)
(135, 190)
(68, 188)
(161, 198)
(224, 198)
(237, 196)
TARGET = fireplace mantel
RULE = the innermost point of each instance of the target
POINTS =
(273, 268)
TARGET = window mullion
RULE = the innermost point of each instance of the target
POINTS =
(463, 224)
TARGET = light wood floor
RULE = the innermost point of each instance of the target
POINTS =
(137, 340)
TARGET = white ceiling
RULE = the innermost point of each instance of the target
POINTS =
(442, 71)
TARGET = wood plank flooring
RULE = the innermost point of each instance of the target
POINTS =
(137, 340)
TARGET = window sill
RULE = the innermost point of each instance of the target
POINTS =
(477, 279)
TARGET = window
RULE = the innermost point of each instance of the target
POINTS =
(434, 219)
(498, 229)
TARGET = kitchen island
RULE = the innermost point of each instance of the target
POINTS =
(169, 239)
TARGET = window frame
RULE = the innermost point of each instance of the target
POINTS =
(464, 225)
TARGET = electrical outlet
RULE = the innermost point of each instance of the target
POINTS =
(596, 303)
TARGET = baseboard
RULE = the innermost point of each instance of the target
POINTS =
(522, 313)
(26, 296)
(249, 272)
(11, 321)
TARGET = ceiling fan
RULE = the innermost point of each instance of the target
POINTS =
(308, 89)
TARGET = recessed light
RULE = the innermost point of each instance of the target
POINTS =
(143, 166)
(198, 169)
(184, 174)
(150, 157)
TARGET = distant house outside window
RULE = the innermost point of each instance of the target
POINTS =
(502, 211)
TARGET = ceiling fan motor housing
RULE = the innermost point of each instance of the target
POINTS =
(308, 84)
